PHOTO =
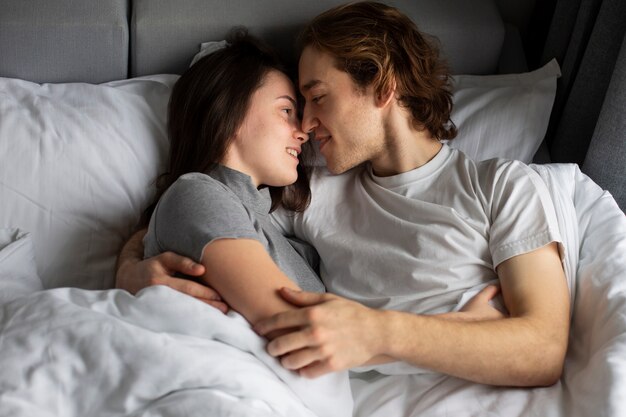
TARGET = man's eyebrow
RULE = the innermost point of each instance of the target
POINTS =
(293, 101)
(306, 87)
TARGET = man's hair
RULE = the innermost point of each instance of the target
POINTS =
(378, 45)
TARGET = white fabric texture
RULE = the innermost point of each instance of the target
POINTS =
(594, 379)
(75, 353)
(18, 270)
(207, 48)
(503, 116)
(78, 162)
(395, 242)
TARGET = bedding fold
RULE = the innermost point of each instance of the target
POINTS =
(74, 352)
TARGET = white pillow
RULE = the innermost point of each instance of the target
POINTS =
(18, 272)
(78, 161)
(503, 116)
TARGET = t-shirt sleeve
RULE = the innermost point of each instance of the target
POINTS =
(194, 212)
(522, 213)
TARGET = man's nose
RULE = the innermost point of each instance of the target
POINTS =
(309, 120)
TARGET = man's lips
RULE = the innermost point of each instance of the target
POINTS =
(323, 141)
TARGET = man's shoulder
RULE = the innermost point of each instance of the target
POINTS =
(497, 170)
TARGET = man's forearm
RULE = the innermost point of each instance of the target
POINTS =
(508, 351)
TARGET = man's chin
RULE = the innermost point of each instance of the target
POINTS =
(336, 168)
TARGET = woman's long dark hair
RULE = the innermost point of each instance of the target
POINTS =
(207, 106)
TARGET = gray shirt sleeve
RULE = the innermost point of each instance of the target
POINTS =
(193, 212)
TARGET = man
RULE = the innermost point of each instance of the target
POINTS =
(408, 227)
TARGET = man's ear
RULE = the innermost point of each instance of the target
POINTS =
(384, 98)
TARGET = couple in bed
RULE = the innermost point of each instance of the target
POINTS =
(403, 224)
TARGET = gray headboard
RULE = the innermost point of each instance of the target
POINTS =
(165, 45)
(103, 40)
(64, 41)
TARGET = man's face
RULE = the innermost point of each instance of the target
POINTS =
(344, 119)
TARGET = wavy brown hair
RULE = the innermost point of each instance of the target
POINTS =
(209, 103)
(378, 45)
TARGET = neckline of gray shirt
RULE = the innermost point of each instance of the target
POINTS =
(241, 184)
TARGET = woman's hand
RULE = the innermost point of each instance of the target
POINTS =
(327, 333)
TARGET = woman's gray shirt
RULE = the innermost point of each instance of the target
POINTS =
(199, 208)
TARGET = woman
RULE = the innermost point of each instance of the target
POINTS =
(236, 147)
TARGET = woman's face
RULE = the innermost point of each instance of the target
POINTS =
(267, 144)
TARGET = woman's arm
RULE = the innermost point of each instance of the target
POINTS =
(246, 277)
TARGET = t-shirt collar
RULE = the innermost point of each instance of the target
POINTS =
(416, 174)
(241, 184)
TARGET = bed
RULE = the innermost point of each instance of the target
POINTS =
(83, 95)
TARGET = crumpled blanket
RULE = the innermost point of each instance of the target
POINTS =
(70, 352)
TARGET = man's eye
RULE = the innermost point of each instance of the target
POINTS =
(316, 99)
(288, 110)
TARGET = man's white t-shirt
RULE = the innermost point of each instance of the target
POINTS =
(417, 241)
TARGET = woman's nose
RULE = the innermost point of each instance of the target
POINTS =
(300, 135)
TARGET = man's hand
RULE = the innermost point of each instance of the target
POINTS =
(478, 308)
(135, 273)
(331, 333)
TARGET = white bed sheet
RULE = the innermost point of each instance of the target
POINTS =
(75, 352)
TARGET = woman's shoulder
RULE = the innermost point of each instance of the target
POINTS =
(198, 184)
(199, 179)
(197, 192)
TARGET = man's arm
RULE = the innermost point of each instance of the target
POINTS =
(134, 273)
(525, 349)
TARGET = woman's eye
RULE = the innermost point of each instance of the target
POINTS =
(316, 99)
(288, 110)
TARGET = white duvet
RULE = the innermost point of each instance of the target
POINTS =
(68, 352)
(78, 353)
